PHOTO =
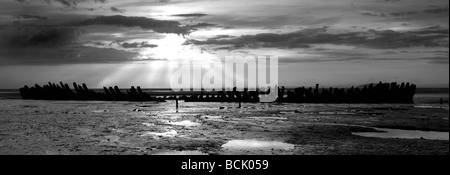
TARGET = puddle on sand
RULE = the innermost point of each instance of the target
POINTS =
(171, 133)
(432, 107)
(405, 134)
(268, 118)
(212, 117)
(397, 133)
(149, 124)
(256, 145)
(100, 111)
(190, 153)
(185, 123)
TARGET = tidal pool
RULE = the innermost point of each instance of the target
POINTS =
(191, 153)
(256, 145)
(405, 134)
(269, 118)
(171, 133)
(186, 123)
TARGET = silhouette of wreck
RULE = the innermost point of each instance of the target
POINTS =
(62, 91)
(379, 93)
(226, 96)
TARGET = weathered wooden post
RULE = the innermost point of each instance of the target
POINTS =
(240, 106)
(176, 100)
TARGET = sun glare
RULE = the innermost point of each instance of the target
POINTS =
(154, 66)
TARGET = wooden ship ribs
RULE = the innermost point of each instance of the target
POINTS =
(62, 91)
(226, 96)
(379, 93)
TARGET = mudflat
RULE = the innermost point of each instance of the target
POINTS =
(155, 128)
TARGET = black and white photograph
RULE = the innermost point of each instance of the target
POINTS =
(224, 77)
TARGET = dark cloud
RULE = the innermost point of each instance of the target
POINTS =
(126, 45)
(383, 39)
(28, 16)
(99, 43)
(393, 14)
(343, 56)
(221, 37)
(51, 45)
(437, 10)
(326, 56)
(202, 25)
(190, 15)
(431, 60)
(408, 13)
(159, 26)
(39, 36)
(272, 21)
(372, 13)
(147, 45)
(65, 3)
(435, 27)
(434, 10)
(143, 44)
(117, 10)
(65, 55)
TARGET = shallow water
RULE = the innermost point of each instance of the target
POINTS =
(269, 118)
(256, 145)
(405, 134)
(446, 107)
(212, 117)
(171, 133)
(185, 123)
(180, 153)
(100, 111)
(149, 124)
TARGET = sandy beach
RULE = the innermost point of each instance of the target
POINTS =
(156, 128)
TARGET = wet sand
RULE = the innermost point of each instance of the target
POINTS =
(68, 127)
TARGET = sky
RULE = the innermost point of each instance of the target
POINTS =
(139, 42)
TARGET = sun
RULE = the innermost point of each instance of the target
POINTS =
(172, 48)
